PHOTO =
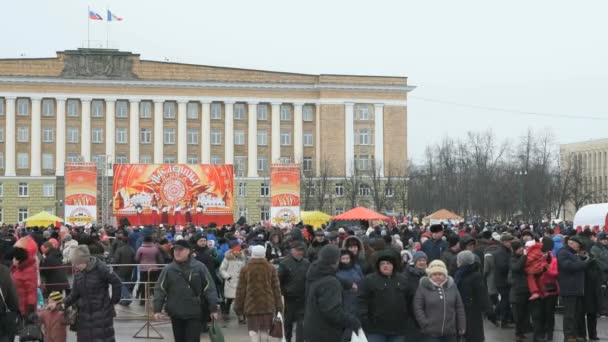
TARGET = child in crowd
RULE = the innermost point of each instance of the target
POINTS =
(536, 264)
(52, 319)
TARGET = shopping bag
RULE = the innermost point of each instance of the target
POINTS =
(276, 330)
(32, 331)
(215, 332)
(358, 336)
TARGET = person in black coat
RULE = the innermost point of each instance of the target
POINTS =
(52, 271)
(413, 274)
(292, 276)
(502, 257)
(571, 263)
(473, 293)
(593, 295)
(9, 301)
(519, 291)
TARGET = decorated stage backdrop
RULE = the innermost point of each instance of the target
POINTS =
(174, 194)
(80, 193)
(285, 194)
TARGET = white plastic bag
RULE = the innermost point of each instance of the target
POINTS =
(283, 325)
(358, 336)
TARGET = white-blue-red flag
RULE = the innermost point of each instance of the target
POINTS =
(113, 17)
(94, 15)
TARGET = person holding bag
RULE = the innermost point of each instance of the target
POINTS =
(9, 306)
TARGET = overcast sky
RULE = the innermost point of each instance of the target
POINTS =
(518, 55)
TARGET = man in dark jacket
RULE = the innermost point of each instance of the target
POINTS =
(185, 285)
(502, 257)
(124, 255)
(292, 275)
(316, 245)
(519, 291)
(571, 263)
(8, 302)
(7, 241)
(449, 256)
(435, 246)
(325, 319)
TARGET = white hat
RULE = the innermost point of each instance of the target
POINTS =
(258, 252)
(530, 244)
(496, 236)
(341, 230)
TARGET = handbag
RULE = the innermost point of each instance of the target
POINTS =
(276, 329)
(358, 336)
(11, 322)
(215, 332)
(31, 330)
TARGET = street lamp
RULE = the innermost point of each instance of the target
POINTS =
(520, 174)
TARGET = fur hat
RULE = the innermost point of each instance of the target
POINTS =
(258, 252)
(465, 258)
(437, 266)
(419, 255)
(80, 255)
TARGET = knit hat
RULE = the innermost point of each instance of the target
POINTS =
(319, 232)
(329, 254)
(437, 266)
(436, 228)
(258, 252)
(496, 236)
(56, 297)
(548, 244)
(506, 237)
(80, 255)
(465, 258)
(419, 255)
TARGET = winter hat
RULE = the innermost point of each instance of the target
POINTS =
(419, 255)
(515, 245)
(258, 252)
(436, 228)
(437, 266)
(602, 236)
(530, 243)
(56, 297)
(406, 256)
(54, 242)
(80, 255)
(341, 231)
(453, 240)
(548, 244)
(496, 236)
(465, 258)
(329, 254)
(506, 237)
(181, 243)
(319, 232)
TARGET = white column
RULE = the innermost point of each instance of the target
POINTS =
(60, 138)
(252, 140)
(349, 156)
(158, 132)
(36, 144)
(182, 128)
(298, 144)
(111, 131)
(85, 130)
(379, 137)
(318, 139)
(134, 131)
(206, 133)
(229, 133)
(275, 152)
(9, 168)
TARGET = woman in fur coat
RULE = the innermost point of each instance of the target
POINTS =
(230, 270)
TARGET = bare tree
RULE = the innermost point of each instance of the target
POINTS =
(323, 184)
(352, 183)
(377, 186)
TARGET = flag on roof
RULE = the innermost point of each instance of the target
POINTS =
(94, 15)
(113, 17)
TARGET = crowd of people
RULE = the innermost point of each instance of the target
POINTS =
(397, 283)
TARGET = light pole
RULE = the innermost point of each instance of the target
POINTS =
(520, 174)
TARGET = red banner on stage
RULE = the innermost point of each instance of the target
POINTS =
(285, 194)
(173, 194)
(80, 193)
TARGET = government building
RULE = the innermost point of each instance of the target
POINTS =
(110, 106)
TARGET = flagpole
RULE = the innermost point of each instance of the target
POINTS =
(107, 27)
(88, 27)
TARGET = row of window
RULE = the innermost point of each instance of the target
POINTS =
(362, 190)
(23, 190)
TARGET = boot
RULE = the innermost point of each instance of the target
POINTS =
(570, 339)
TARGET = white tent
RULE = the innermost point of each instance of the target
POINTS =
(592, 215)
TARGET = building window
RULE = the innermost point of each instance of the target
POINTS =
(47, 161)
(1, 109)
(97, 108)
(239, 137)
(216, 111)
(145, 159)
(307, 113)
(145, 135)
(48, 135)
(145, 109)
(169, 136)
(285, 138)
(363, 137)
(262, 137)
(121, 158)
(307, 164)
(169, 110)
(1, 215)
(307, 139)
(242, 211)
(23, 134)
(389, 191)
(97, 135)
(73, 108)
(241, 190)
(122, 109)
(192, 160)
(265, 213)
(73, 135)
(48, 190)
(169, 159)
(339, 189)
(216, 136)
(285, 113)
(262, 112)
(363, 162)
(363, 112)
(121, 135)
(239, 165)
(22, 215)
(264, 190)
(364, 190)
(23, 107)
(73, 157)
(192, 110)
(23, 160)
(1, 134)
(216, 160)
(285, 160)
(192, 136)
(239, 111)
(23, 190)
(1, 193)
(262, 163)
(48, 107)
(338, 211)
(1, 160)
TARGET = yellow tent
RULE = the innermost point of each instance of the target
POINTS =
(314, 218)
(42, 219)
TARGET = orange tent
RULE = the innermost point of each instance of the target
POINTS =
(360, 213)
(442, 214)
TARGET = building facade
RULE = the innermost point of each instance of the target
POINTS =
(587, 164)
(110, 106)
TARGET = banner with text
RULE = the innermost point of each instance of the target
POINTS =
(174, 194)
(285, 194)
(80, 193)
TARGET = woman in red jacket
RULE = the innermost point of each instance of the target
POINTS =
(543, 308)
(25, 274)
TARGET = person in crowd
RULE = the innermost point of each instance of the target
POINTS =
(325, 319)
(53, 320)
(488, 274)
(413, 273)
(355, 246)
(148, 256)
(558, 243)
(449, 256)
(520, 293)
(274, 247)
(316, 245)
(484, 241)
(68, 246)
(592, 294)
(206, 255)
(571, 263)
(25, 274)
(349, 272)
(7, 241)
(90, 294)
(474, 295)
(258, 295)
(502, 257)
(165, 249)
(123, 258)
(52, 270)
(9, 306)
(292, 276)
(435, 246)
(544, 314)
(600, 252)
(438, 307)
(383, 302)
(536, 265)
(230, 269)
(185, 285)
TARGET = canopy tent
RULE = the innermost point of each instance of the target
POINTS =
(42, 219)
(360, 214)
(314, 218)
(592, 216)
(442, 215)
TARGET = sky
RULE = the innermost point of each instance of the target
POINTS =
(522, 58)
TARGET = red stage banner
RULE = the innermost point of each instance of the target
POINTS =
(285, 194)
(80, 193)
(174, 194)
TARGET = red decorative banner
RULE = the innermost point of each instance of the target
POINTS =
(80, 193)
(285, 193)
